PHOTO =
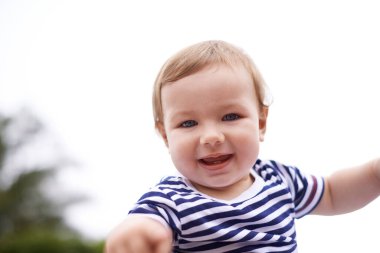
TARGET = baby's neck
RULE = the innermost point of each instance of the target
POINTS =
(229, 192)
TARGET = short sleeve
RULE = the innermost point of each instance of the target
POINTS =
(158, 205)
(306, 190)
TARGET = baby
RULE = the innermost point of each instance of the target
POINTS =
(210, 107)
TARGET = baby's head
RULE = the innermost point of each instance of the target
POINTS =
(210, 108)
(196, 57)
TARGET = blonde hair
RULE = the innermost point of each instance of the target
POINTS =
(196, 57)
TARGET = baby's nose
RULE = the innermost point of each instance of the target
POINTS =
(212, 136)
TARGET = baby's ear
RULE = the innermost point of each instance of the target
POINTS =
(161, 129)
(263, 121)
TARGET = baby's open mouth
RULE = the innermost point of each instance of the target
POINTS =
(215, 160)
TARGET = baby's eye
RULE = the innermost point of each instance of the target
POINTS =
(188, 123)
(230, 117)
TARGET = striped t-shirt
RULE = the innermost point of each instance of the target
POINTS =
(260, 220)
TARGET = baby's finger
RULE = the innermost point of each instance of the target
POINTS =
(164, 246)
(139, 245)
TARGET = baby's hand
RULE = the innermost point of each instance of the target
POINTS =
(377, 168)
(139, 234)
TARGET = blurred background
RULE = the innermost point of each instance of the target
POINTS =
(77, 143)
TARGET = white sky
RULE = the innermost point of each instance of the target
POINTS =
(87, 67)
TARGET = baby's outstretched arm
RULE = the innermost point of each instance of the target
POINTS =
(139, 234)
(350, 189)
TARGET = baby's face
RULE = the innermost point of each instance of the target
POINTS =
(212, 128)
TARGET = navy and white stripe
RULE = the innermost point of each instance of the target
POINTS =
(260, 220)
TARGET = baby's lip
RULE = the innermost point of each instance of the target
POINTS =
(215, 159)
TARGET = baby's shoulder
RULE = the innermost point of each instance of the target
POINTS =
(172, 185)
(274, 170)
(268, 167)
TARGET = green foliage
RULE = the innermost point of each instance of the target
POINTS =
(46, 242)
(31, 220)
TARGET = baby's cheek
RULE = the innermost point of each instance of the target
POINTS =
(249, 147)
(181, 154)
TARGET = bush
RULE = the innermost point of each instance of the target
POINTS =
(45, 242)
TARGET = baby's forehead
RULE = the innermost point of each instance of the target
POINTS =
(212, 68)
(215, 81)
(210, 82)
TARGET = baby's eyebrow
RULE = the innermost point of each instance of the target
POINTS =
(174, 114)
(232, 106)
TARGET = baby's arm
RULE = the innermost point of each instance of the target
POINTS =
(138, 234)
(350, 189)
